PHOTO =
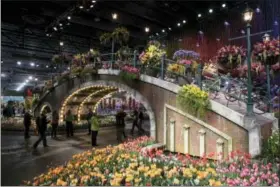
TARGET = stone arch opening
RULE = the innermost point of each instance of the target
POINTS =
(111, 85)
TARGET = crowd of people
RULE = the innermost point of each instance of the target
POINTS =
(11, 109)
(93, 125)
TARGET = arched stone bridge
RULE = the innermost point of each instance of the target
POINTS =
(223, 130)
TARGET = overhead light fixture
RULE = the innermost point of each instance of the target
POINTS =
(178, 24)
(224, 5)
(61, 43)
(163, 30)
(275, 23)
(54, 67)
(200, 32)
(60, 24)
(93, 1)
(47, 66)
(184, 21)
(30, 77)
(147, 29)
(91, 6)
(26, 80)
(36, 79)
(218, 39)
(69, 17)
(210, 10)
(91, 50)
(68, 68)
(37, 65)
(115, 16)
(54, 28)
(169, 28)
(19, 63)
(47, 34)
(242, 31)
(32, 64)
(3, 75)
(157, 34)
(81, 7)
(199, 15)
(226, 23)
(258, 10)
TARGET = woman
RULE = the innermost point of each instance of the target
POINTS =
(95, 123)
(69, 123)
(54, 123)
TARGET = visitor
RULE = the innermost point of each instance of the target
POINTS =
(42, 123)
(120, 124)
(135, 121)
(69, 123)
(89, 116)
(55, 119)
(95, 123)
(141, 118)
(27, 124)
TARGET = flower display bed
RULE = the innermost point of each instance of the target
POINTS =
(129, 164)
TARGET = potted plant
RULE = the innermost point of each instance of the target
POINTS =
(129, 73)
(151, 58)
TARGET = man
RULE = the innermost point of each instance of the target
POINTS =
(27, 124)
(89, 116)
(120, 124)
(42, 127)
(95, 123)
(141, 118)
(135, 121)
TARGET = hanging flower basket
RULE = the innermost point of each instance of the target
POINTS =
(268, 52)
(229, 57)
(129, 73)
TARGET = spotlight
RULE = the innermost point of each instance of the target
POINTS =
(60, 24)
(54, 67)
(48, 34)
(61, 43)
(184, 21)
(91, 6)
(275, 23)
(91, 50)
(147, 29)
(163, 30)
(36, 79)
(27, 81)
(169, 28)
(81, 7)
(69, 17)
(93, 1)
(157, 34)
(54, 28)
(242, 31)
(19, 63)
(200, 32)
(226, 23)
(37, 65)
(3, 75)
(178, 24)
(258, 10)
(30, 77)
(32, 64)
(115, 16)
(224, 5)
(210, 10)
(47, 66)
(199, 15)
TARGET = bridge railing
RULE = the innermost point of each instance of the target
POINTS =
(233, 89)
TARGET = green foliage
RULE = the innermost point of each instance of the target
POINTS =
(88, 70)
(124, 53)
(57, 59)
(193, 100)
(76, 71)
(128, 76)
(271, 147)
(105, 38)
(120, 35)
(63, 77)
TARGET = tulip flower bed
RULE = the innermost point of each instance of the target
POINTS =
(131, 164)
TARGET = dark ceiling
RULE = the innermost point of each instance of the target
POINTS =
(26, 24)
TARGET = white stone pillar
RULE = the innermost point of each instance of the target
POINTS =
(201, 142)
(220, 149)
(172, 135)
(186, 139)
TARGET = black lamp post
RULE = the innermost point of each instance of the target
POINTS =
(248, 16)
(266, 38)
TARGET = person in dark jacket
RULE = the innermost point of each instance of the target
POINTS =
(89, 115)
(27, 124)
(120, 124)
(141, 118)
(55, 119)
(69, 123)
(135, 121)
(42, 127)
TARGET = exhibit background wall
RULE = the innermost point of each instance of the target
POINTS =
(223, 24)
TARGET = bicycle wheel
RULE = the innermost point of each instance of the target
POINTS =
(231, 94)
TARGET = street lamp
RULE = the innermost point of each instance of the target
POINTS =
(248, 16)
(266, 38)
